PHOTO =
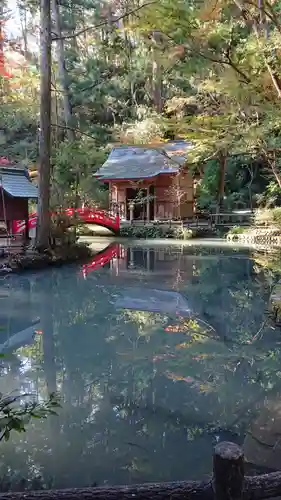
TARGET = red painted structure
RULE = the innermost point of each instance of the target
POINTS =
(12, 206)
(86, 215)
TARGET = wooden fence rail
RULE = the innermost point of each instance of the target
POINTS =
(231, 219)
(228, 483)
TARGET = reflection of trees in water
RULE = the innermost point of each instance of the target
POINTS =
(137, 393)
(16, 313)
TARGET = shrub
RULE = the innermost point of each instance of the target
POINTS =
(182, 233)
(276, 215)
(268, 217)
(155, 232)
(237, 230)
(64, 229)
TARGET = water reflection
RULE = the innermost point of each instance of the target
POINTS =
(158, 353)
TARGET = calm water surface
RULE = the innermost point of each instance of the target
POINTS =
(157, 355)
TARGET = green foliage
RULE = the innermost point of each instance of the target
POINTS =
(270, 196)
(268, 217)
(18, 117)
(233, 91)
(206, 192)
(216, 81)
(74, 167)
(16, 411)
(156, 231)
(276, 216)
(237, 230)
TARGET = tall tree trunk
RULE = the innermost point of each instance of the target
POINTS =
(64, 83)
(157, 85)
(73, 18)
(274, 168)
(63, 76)
(156, 75)
(23, 22)
(221, 183)
(44, 221)
(2, 66)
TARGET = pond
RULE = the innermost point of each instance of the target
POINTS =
(157, 351)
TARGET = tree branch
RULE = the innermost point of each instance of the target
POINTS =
(104, 78)
(64, 127)
(254, 26)
(104, 23)
(227, 62)
(271, 15)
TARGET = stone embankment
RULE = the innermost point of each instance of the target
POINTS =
(257, 236)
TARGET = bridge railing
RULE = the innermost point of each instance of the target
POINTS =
(92, 213)
(87, 215)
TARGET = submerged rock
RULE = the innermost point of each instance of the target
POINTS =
(275, 303)
(262, 445)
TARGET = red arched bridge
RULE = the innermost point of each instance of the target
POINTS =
(85, 215)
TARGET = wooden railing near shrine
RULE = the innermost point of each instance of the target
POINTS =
(232, 218)
(227, 483)
(212, 220)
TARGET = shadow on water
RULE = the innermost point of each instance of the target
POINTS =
(158, 353)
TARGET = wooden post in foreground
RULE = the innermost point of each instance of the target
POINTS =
(228, 468)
